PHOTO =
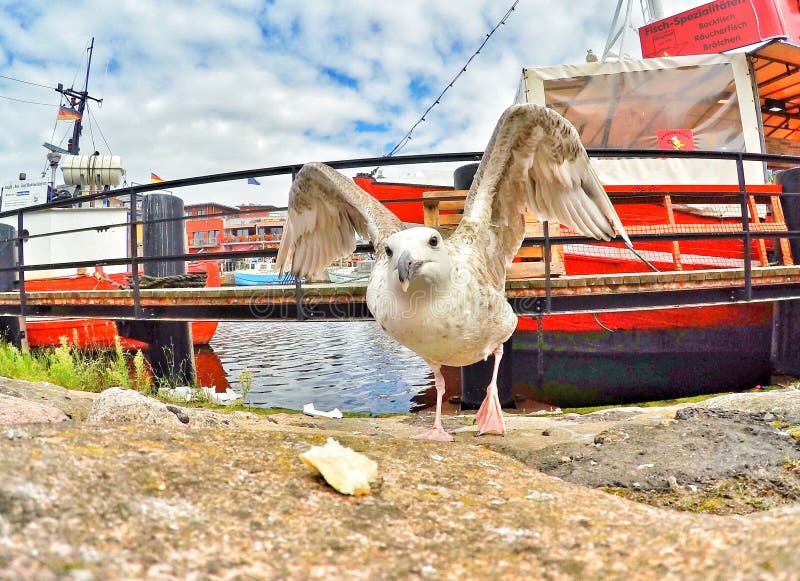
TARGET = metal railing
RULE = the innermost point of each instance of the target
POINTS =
(547, 241)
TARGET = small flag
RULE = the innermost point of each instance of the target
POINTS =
(154, 179)
(68, 114)
(253, 182)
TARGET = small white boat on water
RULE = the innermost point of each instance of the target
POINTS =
(359, 272)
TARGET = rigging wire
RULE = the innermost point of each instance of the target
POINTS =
(28, 102)
(407, 137)
(79, 68)
(26, 82)
(55, 123)
(53, 134)
(90, 124)
(100, 131)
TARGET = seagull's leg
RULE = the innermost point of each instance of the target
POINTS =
(490, 415)
(437, 432)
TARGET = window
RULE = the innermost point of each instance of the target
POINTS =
(627, 109)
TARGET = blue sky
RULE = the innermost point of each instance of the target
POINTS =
(198, 87)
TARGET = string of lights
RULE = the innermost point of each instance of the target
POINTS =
(407, 137)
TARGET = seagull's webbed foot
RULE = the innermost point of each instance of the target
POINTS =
(490, 415)
(437, 434)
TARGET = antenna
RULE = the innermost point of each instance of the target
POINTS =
(622, 28)
(78, 99)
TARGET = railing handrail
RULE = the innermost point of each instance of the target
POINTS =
(729, 193)
(292, 169)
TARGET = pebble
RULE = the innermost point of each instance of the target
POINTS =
(179, 413)
(538, 496)
(16, 433)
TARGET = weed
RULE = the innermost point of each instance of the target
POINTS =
(71, 367)
(141, 376)
(246, 381)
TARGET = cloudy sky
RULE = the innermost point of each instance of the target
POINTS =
(193, 87)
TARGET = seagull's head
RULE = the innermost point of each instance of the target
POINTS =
(417, 256)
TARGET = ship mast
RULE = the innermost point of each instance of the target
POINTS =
(78, 101)
(622, 27)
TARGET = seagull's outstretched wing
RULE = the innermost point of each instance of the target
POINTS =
(534, 160)
(326, 209)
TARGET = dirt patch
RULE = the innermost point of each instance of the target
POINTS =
(740, 495)
(706, 460)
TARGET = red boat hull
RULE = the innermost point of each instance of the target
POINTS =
(102, 333)
(620, 357)
(98, 333)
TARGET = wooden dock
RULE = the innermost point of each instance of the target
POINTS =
(565, 294)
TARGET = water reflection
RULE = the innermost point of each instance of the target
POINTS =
(210, 372)
(351, 365)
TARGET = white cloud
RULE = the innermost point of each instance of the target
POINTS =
(193, 88)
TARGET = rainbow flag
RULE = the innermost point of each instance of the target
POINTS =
(68, 114)
(154, 179)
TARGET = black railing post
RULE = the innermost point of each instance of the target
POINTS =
(548, 285)
(23, 301)
(12, 327)
(134, 250)
(748, 282)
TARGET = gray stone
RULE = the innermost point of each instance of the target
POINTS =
(15, 410)
(784, 403)
(118, 500)
(118, 405)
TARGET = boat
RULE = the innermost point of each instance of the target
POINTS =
(81, 174)
(706, 101)
(345, 274)
(104, 333)
(260, 272)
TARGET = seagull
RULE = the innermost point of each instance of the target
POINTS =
(444, 298)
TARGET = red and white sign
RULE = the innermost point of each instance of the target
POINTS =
(680, 139)
(720, 26)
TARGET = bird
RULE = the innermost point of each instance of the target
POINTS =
(444, 298)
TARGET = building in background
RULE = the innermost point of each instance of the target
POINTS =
(214, 227)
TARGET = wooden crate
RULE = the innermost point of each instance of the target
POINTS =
(444, 215)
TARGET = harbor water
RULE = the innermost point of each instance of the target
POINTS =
(350, 365)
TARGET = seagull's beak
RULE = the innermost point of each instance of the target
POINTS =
(407, 267)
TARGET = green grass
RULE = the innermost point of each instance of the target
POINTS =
(644, 404)
(74, 368)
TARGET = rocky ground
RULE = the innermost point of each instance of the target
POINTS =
(118, 486)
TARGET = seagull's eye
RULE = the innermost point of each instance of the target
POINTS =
(389, 252)
(434, 241)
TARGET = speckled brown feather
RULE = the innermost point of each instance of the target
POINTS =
(534, 160)
(325, 211)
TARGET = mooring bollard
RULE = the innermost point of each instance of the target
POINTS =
(475, 377)
(12, 328)
(786, 321)
(170, 351)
